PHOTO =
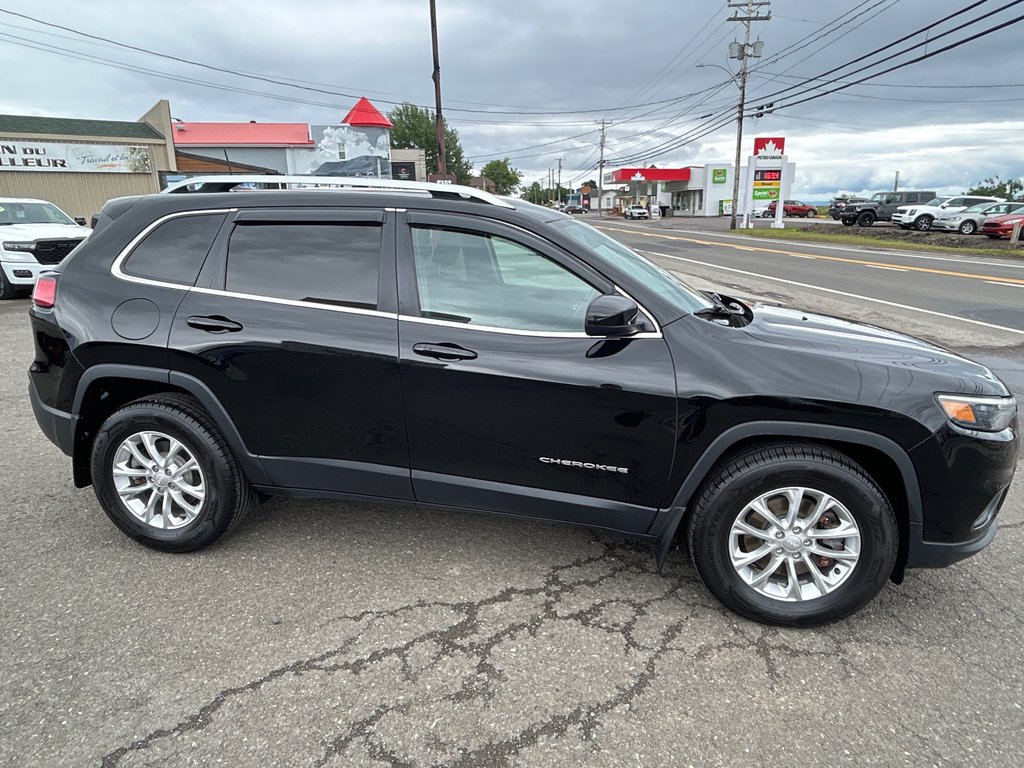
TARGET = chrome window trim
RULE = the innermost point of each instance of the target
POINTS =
(117, 270)
(518, 332)
(294, 302)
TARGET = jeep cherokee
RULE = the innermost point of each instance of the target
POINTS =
(438, 345)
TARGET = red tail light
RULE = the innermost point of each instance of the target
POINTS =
(45, 293)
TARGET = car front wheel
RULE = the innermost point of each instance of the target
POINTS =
(866, 219)
(968, 228)
(923, 223)
(793, 534)
(165, 476)
(7, 290)
(809, 214)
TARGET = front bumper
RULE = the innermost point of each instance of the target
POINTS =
(23, 272)
(946, 226)
(902, 218)
(964, 478)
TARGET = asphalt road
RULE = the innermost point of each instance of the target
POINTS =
(337, 634)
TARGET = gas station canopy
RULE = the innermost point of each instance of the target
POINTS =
(626, 175)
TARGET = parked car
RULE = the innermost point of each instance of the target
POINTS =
(793, 208)
(969, 220)
(881, 207)
(635, 212)
(34, 236)
(835, 209)
(205, 347)
(920, 217)
(574, 209)
(1001, 226)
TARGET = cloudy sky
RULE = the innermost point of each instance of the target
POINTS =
(528, 79)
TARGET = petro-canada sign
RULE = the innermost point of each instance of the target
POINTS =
(770, 147)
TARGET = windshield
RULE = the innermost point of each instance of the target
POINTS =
(936, 201)
(659, 280)
(32, 213)
(879, 197)
(979, 208)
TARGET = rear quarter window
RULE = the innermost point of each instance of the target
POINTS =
(175, 250)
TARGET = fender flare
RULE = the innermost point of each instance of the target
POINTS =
(666, 523)
(190, 384)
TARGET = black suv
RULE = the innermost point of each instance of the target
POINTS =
(881, 207)
(438, 345)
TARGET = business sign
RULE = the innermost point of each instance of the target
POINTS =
(78, 158)
(763, 193)
(626, 175)
(718, 175)
(442, 178)
(403, 171)
(772, 147)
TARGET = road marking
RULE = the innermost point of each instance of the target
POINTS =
(879, 266)
(1007, 264)
(841, 293)
(1008, 285)
(839, 259)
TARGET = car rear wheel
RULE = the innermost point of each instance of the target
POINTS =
(836, 216)
(809, 214)
(995, 237)
(967, 228)
(793, 534)
(848, 222)
(165, 476)
(866, 219)
(923, 223)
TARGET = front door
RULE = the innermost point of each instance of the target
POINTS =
(510, 405)
(292, 327)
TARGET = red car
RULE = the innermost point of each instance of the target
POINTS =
(1001, 226)
(793, 208)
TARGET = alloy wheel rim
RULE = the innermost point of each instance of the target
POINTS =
(794, 544)
(159, 480)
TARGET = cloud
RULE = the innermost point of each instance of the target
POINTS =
(507, 60)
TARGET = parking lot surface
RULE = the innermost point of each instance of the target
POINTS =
(338, 634)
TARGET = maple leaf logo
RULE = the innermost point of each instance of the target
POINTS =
(638, 177)
(771, 148)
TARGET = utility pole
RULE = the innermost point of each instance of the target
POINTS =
(742, 52)
(441, 164)
(896, 184)
(560, 182)
(600, 173)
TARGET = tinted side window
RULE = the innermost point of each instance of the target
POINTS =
(174, 252)
(491, 281)
(325, 263)
(912, 197)
(956, 202)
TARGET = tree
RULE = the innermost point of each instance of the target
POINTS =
(505, 177)
(534, 193)
(995, 187)
(416, 128)
(591, 183)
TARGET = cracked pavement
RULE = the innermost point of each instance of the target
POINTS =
(325, 633)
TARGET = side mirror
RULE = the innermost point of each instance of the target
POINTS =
(79, 221)
(612, 316)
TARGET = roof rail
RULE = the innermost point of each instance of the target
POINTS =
(225, 183)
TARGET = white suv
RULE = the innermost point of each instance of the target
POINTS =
(34, 236)
(635, 212)
(920, 217)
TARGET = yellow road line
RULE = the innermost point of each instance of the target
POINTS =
(862, 262)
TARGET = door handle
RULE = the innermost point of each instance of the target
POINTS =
(445, 351)
(213, 324)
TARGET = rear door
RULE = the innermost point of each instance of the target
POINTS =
(510, 405)
(292, 327)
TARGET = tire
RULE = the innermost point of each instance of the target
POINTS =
(995, 237)
(227, 495)
(968, 228)
(809, 215)
(7, 289)
(923, 223)
(813, 473)
(836, 217)
(848, 222)
(866, 219)
(903, 226)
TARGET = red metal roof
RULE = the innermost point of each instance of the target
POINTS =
(364, 114)
(625, 175)
(255, 134)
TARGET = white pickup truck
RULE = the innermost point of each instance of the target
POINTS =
(34, 236)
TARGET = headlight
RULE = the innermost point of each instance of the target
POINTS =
(989, 414)
(9, 246)
(912, 211)
(19, 251)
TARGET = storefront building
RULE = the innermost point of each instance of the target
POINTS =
(695, 190)
(80, 164)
